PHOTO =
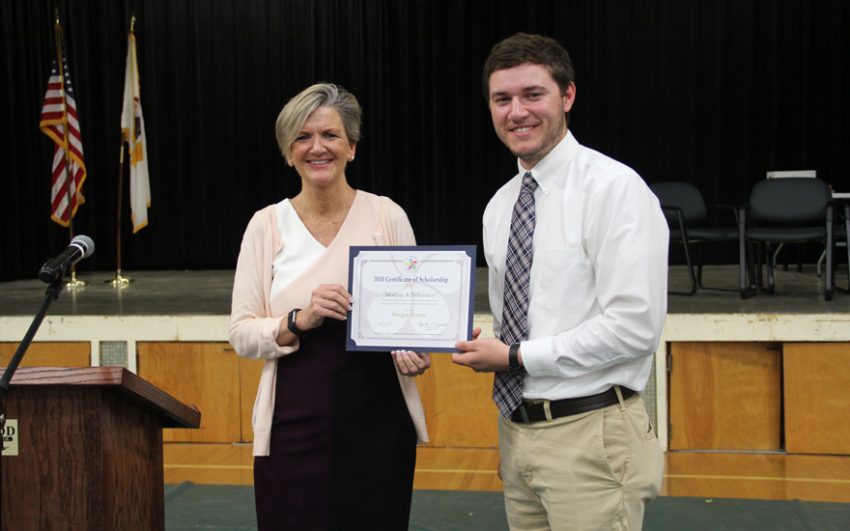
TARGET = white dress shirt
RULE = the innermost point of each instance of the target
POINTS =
(598, 287)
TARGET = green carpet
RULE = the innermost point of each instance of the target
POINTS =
(229, 508)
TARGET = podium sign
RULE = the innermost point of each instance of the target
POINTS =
(9, 432)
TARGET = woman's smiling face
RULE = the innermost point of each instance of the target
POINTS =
(321, 150)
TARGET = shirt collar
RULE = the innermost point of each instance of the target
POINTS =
(547, 170)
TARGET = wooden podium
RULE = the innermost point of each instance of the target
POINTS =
(89, 449)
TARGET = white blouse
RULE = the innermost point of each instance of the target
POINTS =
(300, 251)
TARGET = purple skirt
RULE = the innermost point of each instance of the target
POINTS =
(343, 445)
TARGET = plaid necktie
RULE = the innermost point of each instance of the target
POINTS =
(507, 387)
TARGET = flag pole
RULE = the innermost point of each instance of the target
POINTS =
(72, 189)
(120, 280)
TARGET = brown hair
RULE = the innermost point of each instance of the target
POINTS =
(526, 48)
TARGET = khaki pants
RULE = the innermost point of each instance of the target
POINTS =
(594, 470)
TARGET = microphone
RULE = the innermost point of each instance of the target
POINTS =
(80, 247)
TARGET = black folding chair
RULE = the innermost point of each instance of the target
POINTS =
(842, 234)
(687, 215)
(793, 210)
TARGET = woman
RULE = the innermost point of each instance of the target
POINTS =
(335, 432)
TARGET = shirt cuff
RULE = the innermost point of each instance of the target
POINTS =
(537, 357)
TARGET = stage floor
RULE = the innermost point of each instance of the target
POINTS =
(208, 293)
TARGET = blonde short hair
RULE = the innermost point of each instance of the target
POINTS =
(296, 111)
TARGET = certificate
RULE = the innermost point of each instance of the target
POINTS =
(410, 297)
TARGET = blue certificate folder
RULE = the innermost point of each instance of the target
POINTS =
(410, 297)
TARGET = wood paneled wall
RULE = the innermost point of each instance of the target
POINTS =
(44, 354)
(205, 375)
(462, 426)
(817, 398)
(462, 452)
(458, 406)
(725, 396)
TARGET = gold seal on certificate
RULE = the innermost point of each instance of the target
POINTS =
(410, 297)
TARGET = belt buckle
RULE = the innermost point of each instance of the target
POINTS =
(523, 413)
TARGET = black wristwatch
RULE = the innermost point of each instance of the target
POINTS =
(290, 323)
(513, 359)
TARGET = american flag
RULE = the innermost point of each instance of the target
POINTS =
(60, 108)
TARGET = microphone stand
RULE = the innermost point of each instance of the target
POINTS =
(51, 294)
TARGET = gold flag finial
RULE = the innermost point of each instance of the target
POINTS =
(132, 22)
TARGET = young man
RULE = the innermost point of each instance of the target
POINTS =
(576, 246)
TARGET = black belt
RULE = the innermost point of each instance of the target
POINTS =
(534, 411)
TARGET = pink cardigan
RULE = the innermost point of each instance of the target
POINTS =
(255, 320)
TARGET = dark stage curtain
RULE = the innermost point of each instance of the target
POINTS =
(715, 93)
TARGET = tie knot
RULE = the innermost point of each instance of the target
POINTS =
(528, 183)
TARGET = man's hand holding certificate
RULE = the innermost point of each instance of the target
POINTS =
(411, 297)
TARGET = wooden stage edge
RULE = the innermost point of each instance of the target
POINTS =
(777, 366)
